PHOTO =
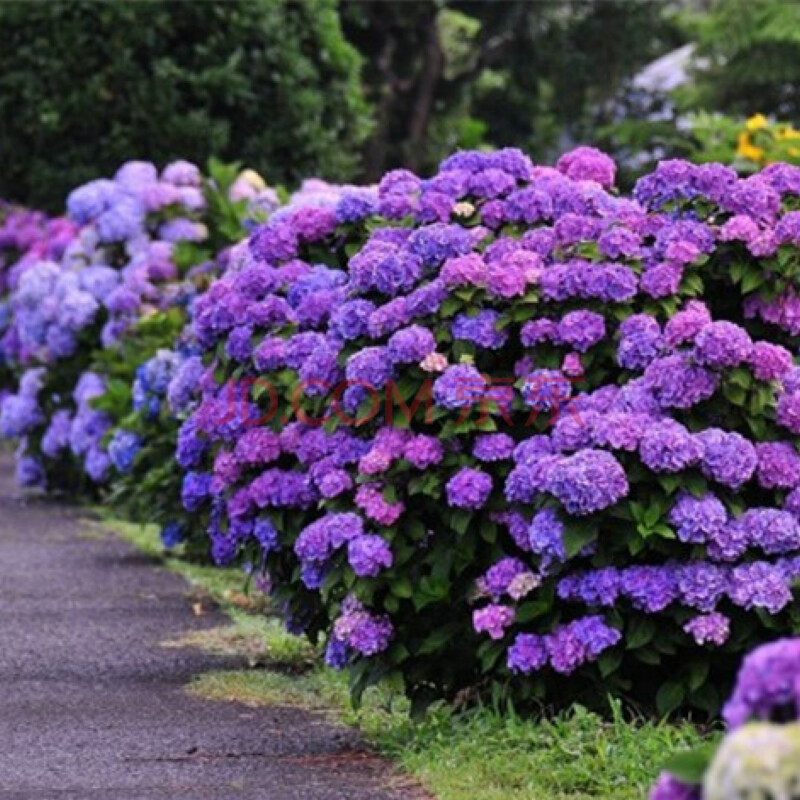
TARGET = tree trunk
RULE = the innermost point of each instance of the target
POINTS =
(423, 105)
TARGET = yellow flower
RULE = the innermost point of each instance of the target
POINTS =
(789, 133)
(747, 150)
(756, 122)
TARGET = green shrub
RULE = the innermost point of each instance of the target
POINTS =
(85, 86)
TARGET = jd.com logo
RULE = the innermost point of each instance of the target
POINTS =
(544, 392)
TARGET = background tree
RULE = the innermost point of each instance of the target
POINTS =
(447, 74)
(748, 59)
(85, 86)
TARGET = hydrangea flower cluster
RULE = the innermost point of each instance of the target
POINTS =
(75, 298)
(171, 383)
(586, 404)
(26, 237)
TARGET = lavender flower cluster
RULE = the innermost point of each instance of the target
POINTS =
(80, 286)
(169, 385)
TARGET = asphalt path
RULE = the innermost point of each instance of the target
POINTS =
(92, 707)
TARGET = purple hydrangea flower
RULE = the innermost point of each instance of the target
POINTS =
(546, 537)
(669, 788)
(491, 447)
(759, 585)
(500, 576)
(770, 362)
(527, 654)
(686, 324)
(480, 329)
(410, 345)
(698, 520)
(650, 589)
(727, 458)
(588, 164)
(678, 383)
(788, 413)
(722, 344)
(460, 385)
(368, 555)
(469, 488)
(641, 342)
(701, 586)
(574, 644)
(581, 329)
(712, 628)
(778, 465)
(588, 481)
(493, 619)
(766, 687)
(363, 632)
(666, 446)
(122, 449)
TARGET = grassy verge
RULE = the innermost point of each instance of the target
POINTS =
(478, 755)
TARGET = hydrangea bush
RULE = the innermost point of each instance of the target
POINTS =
(598, 479)
(503, 427)
(136, 240)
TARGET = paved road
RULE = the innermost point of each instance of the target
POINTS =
(92, 708)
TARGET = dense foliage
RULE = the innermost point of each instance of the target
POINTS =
(443, 75)
(85, 86)
(748, 58)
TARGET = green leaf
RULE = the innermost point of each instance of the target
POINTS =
(753, 279)
(391, 604)
(735, 394)
(459, 521)
(664, 531)
(652, 515)
(740, 377)
(698, 672)
(401, 587)
(489, 653)
(390, 494)
(737, 271)
(669, 483)
(648, 655)
(436, 640)
(577, 536)
(609, 662)
(706, 699)
(640, 633)
(527, 612)
(450, 307)
(489, 532)
(637, 510)
(696, 484)
(691, 766)
(669, 697)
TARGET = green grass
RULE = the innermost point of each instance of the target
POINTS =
(477, 755)
(481, 754)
